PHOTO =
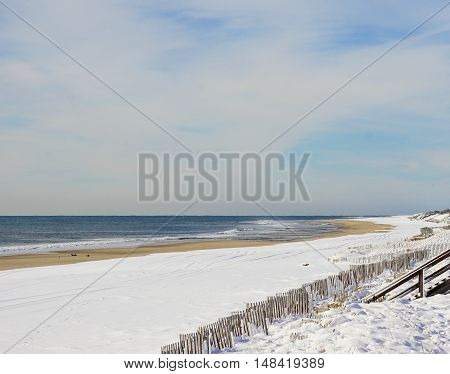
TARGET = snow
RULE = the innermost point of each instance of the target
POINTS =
(403, 326)
(434, 217)
(145, 302)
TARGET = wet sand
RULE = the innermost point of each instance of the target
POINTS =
(345, 227)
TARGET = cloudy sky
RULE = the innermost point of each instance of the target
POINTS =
(224, 76)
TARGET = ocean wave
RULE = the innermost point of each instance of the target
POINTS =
(256, 229)
(78, 245)
(267, 222)
(111, 243)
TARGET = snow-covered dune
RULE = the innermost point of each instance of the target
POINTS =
(145, 302)
(442, 217)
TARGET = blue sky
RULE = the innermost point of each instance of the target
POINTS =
(224, 76)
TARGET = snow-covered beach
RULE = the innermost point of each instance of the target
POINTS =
(402, 326)
(145, 302)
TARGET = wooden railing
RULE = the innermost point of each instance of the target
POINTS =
(418, 273)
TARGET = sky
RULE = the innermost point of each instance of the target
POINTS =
(224, 76)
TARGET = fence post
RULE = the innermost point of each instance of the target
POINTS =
(421, 284)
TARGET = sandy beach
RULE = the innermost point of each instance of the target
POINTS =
(345, 227)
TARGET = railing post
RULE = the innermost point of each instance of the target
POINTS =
(421, 283)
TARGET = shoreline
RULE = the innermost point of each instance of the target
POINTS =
(67, 257)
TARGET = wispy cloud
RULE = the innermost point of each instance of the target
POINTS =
(224, 76)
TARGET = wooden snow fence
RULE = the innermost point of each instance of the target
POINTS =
(299, 302)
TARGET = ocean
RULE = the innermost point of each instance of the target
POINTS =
(38, 234)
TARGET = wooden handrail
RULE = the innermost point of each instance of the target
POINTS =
(419, 272)
(427, 279)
